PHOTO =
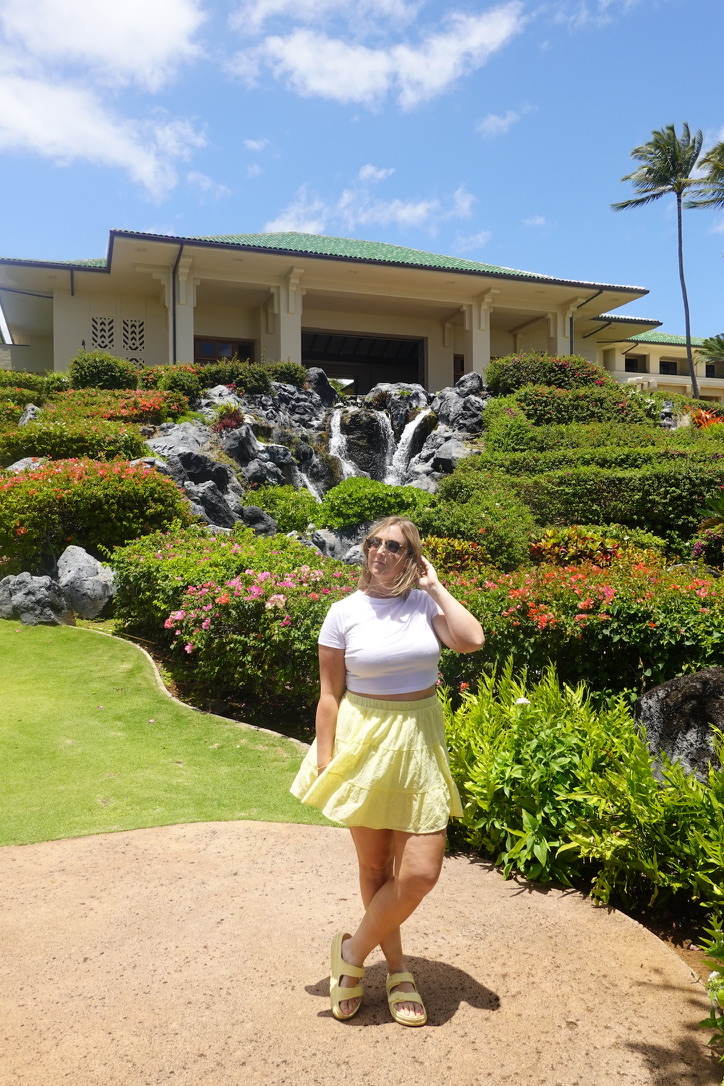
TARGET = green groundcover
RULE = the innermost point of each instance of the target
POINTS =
(91, 743)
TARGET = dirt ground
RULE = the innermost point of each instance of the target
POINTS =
(197, 955)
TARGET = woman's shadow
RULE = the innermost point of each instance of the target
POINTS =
(443, 987)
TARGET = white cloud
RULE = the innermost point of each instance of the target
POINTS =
(67, 123)
(306, 215)
(206, 185)
(315, 64)
(472, 242)
(375, 173)
(119, 41)
(254, 170)
(535, 220)
(256, 145)
(584, 13)
(253, 14)
(497, 124)
(718, 227)
(355, 208)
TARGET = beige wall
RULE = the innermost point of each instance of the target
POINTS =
(72, 323)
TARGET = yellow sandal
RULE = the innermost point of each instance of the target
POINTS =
(393, 998)
(340, 968)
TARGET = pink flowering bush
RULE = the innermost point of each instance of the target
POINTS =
(255, 635)
(94, 505)
(626, 627)
(537, 368)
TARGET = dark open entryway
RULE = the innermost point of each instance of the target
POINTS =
(366, 360)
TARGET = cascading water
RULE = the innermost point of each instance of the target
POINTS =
(311, 486)
(338, 444)
(401, 457)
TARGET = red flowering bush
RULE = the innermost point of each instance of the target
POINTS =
(627, 627)
(538, 368)
(94, 505)
(118, 405)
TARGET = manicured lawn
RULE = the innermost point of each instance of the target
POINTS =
(89, 743)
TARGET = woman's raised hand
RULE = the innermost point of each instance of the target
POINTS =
(428, 576)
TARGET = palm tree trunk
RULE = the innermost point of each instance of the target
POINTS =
(685, 296)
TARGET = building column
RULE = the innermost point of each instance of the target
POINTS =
(185, 303)
(285, 315)
(476, 318)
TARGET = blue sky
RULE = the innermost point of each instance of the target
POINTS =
(498, 132)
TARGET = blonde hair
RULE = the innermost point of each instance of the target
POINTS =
(410, 572)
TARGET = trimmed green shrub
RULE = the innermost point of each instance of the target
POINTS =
(558, 790)
(244, 376)
(98, 369)
(180, 379)
(292, 509)
(10, 412)
(663, 499)
(94, 505)
(64, 440)
(615, 457)
(544, 406)
(41, 384)
(360, 501)
(514, 437)
(508, 374)
(481, 506)
(288, 373)
(18, 396)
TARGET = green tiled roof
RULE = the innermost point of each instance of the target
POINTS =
(380, 252)
(665, 339)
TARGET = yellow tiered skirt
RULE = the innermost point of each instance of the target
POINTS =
(389, 768)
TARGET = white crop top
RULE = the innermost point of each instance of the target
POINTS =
(390, 646)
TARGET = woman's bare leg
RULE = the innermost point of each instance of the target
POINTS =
(396, 871)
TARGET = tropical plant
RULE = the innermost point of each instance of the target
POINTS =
(712, 349)
(667, 164)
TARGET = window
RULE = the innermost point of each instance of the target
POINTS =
(669, 368)
(458, 367)
(102, 333)
(710, 369)
(212, 350)
(631, 365)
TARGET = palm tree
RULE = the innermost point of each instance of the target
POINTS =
(712, 349)
(710, 189)
(667, 163)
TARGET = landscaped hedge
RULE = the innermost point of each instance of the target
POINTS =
(663, 499)
(42, 384)
(544, 406)
(57, 440)
(358, 501)
(94, 505)
(479, 505)
(560, 791)
(613, 457)
(292, 509)
(507, 374)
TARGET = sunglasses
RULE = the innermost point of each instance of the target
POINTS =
(373, 542)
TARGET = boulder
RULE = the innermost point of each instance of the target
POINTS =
(173, 437)
(399, 399)
(255, 518)
(30, 413)
(216, 509)
(339, 544)
(158, 465)
(470, 384)
(679, 715)
(200, 468)
(86, 584)
(34, 601)
(28, 463)
(448, 455)
(318, 382)
(240, 444)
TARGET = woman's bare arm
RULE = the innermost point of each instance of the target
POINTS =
(332, 675)
(455, 627)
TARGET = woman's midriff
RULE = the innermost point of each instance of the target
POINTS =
(415, 695)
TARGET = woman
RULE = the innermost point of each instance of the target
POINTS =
(379, 762)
